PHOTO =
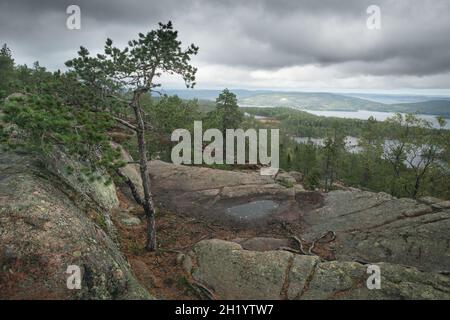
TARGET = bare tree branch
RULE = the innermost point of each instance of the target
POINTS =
(125, 123)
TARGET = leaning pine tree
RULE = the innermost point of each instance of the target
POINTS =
(126, 76)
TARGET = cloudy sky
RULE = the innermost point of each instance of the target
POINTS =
(257, 44)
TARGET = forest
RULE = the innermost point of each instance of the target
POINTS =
(116, 96)
(415, 166)
(403, 156)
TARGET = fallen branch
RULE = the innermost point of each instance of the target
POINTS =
(125, 123)
(321, 237)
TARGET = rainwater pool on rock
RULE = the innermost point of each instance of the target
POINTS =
(252, 210)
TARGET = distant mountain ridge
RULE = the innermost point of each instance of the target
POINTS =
(211, 94)
(436, 107)
(439, 106)
(396, 98)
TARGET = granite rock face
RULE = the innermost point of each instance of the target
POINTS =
(376, 227)
(369, 227)
(43, 231)
(408, 239)
(95, 190)
(212, 193)
(234, 273)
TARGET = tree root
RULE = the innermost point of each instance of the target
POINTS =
(300, 244)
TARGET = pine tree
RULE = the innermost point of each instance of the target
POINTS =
(226, 115)
(371, 151)
(136, 68)
(6, 71)
(334, 146)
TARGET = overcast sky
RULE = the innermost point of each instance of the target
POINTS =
(260, 44)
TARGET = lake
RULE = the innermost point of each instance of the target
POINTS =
(352, 146)
(365, 114)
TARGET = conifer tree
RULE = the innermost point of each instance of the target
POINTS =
(6, 70)
(125, 76)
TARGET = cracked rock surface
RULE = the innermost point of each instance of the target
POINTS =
(210, 192)
(234, 273)
(409, 239)
(369, 227)
(375, 227)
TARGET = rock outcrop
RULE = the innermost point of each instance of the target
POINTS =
(234, 273)
(50, 220)
(94, 190)
(376, 227)
(408, 239)
(215, 193)
(369, 227)
(43, 231)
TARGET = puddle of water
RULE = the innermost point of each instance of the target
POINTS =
(252, 210)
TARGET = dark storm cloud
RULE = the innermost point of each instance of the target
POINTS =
(252, 34)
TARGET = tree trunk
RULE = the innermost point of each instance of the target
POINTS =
(396, 177)
(416, 187)
(143, 162)
(327, 173)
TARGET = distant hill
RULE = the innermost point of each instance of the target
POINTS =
(395, 98)
(435, 107)
(309, 100)
(328, 101)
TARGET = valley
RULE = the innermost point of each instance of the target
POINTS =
(332, 104)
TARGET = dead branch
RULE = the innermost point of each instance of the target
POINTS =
(321, 237)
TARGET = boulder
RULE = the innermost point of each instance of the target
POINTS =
(285, 179)
(441, 205)
(429, 200)
(43, 232)
(231, 272)
(298, 176)
(243, 274)
(264, 244)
